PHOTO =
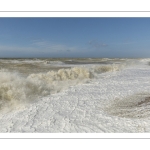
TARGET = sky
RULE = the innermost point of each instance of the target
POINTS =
(74, 37)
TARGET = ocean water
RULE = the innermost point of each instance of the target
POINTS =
(75, 95)
(25, 80)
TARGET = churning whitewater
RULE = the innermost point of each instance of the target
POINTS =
(26, 80)
(74, 95)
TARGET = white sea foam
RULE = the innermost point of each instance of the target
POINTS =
(18, 88)
(112, 102)
(134, 106)
(64, 74)
(15, 88)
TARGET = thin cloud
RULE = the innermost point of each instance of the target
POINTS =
(39, 43)
(96, 44)
(52, 47)
(41, 47)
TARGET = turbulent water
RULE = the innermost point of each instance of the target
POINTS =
(75, 95)
(25, 80)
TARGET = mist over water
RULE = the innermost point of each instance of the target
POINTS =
(25, 80)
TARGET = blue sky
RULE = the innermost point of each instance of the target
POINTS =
(74, 37)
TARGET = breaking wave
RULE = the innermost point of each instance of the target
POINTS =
(15, 88)
(54, 62)
(107, 68)
(63, 74)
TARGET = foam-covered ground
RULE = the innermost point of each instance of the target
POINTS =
(113, 102)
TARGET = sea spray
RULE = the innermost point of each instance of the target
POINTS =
(19, 87)
(15, 88)
(106, 68)
(64, 74)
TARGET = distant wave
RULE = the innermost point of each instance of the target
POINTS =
(54, 62)
(107, 68)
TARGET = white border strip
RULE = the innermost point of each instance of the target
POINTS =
(74, 14)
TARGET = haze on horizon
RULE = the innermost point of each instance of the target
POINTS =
(74, 37)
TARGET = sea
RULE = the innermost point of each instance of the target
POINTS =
(75, 95)
(23, 80)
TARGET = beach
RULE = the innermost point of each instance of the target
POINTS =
(75, 96)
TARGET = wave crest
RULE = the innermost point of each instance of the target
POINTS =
(16, 88)
(107, 68)
(64, 74)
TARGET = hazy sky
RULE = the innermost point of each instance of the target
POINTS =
(74, 37)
